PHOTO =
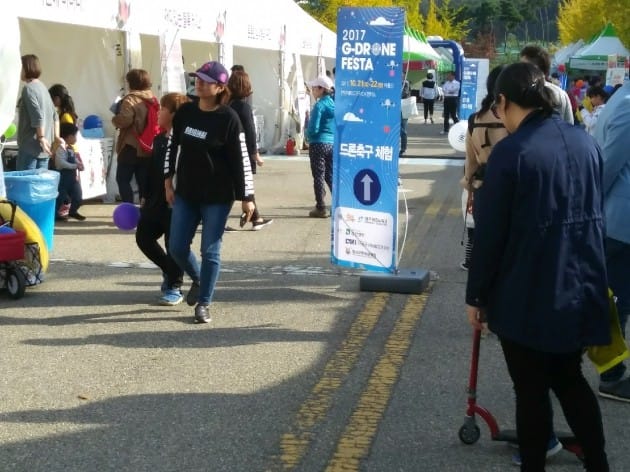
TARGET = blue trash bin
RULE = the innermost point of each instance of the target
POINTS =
(35, 192)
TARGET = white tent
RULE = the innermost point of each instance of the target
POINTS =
(89, 45)
(562, 55)
(594, 56)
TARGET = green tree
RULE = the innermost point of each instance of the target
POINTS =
(446, 21)
(583, 19)
(485, 15)
(511, 17)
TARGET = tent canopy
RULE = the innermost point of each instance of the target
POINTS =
(419, 56)
(416, 47)
(594, 56)
(84, 45)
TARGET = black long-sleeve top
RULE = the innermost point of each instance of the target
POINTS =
(208, 154)
(245, 114)
(155, 196)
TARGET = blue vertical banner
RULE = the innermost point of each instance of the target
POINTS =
(368, 86)
(468, 93)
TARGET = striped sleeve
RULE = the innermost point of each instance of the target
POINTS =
(170, 158)
(248, 175)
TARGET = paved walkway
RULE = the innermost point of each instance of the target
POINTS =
(299, 370)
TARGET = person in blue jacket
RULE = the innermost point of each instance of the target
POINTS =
(538, 268)
(321, 134)
(612, 133)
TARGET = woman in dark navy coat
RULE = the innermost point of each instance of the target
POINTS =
(538, 270)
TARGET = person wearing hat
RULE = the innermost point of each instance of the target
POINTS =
(206, 168)
(321, 134)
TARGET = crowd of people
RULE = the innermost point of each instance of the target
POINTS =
(202, 160)
(545, 204)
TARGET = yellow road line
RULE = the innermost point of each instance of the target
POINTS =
(355, 442)
(294, 444)
(433, 208)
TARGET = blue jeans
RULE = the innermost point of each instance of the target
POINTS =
(618, 267)
(185, 220)
(403, 135)
(30, 162)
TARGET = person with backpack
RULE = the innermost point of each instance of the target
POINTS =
(428, 93)
(485, 129)
(136, 121)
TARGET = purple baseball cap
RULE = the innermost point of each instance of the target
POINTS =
(212, 72)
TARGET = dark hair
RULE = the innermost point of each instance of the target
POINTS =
(523, 84)
(597, 91)
(66, 104)
(172, 101)
(491, 81)
(138, 79)
(239, 85)
(31, 66)
(67, 129)
(429, 76)
(237, 68)
(537, 56)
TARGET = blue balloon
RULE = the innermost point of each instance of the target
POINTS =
(4, 229)
(92, 121)
(126, 216)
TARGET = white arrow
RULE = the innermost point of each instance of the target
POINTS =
(366, 187)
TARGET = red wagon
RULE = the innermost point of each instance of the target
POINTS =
(12, 243)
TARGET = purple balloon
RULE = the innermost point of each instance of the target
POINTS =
(126, 216)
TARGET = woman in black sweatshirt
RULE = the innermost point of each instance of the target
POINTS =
(206, 168)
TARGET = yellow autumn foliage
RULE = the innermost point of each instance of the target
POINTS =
(583, 19)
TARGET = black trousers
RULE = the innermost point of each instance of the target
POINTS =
(428, 107)
(129, 166)
(534, 373)
(450, 111)
(150, 229)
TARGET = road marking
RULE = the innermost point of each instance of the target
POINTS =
(355, 442)
(295, 444)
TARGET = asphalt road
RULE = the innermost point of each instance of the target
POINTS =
(299, 370)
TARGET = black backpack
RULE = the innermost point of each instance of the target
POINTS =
(472, 125)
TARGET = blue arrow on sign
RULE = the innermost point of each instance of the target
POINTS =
(367, 187)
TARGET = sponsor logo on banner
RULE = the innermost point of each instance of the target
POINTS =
(368, 86)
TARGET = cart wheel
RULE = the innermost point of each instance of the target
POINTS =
(469, 433)
(16, 283)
